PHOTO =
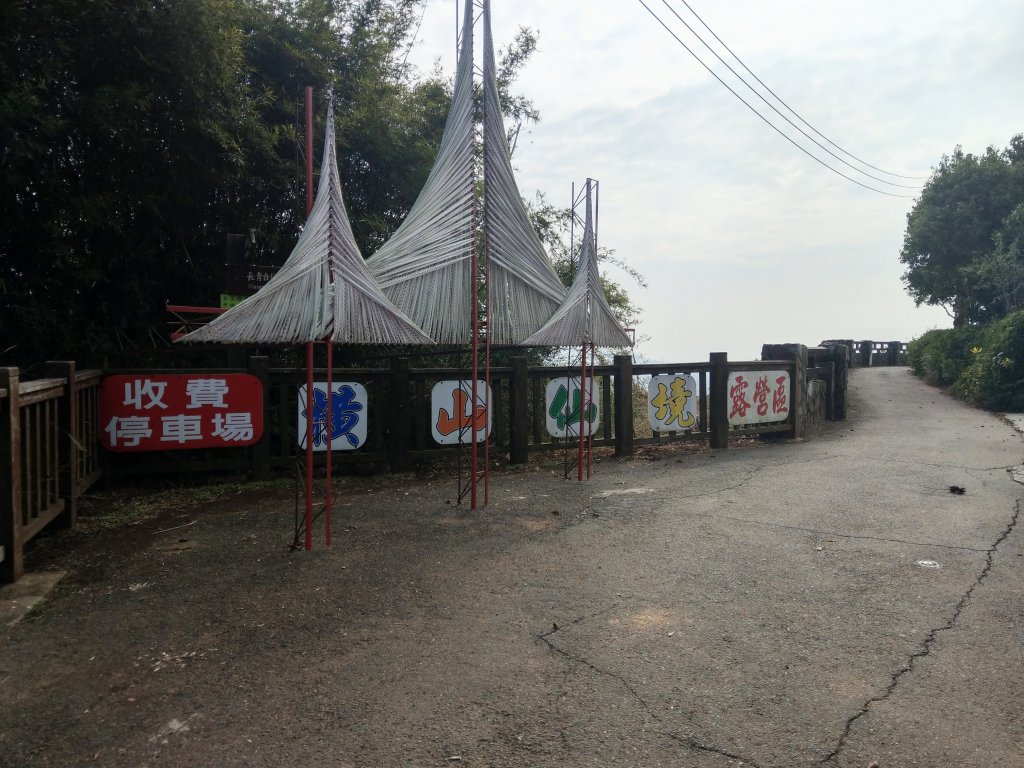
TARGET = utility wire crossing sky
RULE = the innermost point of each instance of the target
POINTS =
(743, 241)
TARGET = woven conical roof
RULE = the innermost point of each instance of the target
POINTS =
(324, 289)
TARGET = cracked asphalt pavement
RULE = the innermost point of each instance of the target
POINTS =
(818, 603)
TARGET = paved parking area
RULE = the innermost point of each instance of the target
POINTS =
(826, 602)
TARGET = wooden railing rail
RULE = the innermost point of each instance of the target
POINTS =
(50, 427)
(48, 454)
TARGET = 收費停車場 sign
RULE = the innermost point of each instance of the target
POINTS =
(164, 412)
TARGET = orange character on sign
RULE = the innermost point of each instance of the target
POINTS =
(460, 418)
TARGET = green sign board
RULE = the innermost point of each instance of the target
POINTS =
(227, 301)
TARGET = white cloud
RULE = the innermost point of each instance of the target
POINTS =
(742, 238)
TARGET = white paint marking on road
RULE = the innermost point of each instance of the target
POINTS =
(620, 492)
(927, 563)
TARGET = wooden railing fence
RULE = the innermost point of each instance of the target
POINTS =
(399, 408)
(864, 354)
(49, 427)
(49, 454)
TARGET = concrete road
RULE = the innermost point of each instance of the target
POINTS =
(817, 603)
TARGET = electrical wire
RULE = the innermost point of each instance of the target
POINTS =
(779, 98)
(416, 34)
(768, 122)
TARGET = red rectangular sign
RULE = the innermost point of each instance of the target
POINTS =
(167, 412)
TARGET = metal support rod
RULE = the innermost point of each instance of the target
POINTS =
(572, 228)
(583, 410)
(597, 212)
(486, 266)
(330, 441)
(474, 267)
(592, 185)
(309, 345)
(474, 365)
(309, 445)
(309, 149)
(487, 373)
(568, 411)
(590, 399)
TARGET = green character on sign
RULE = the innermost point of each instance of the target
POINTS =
(563, 415)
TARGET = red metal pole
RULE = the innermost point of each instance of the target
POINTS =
(309, 445)
(583, 410)
(472, 386)
(309, 149)
(487, 376)
(330, 441)
(309, 345)
(590, 399)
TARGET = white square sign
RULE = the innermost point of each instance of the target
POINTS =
(347, 428)
(453, 415)
(672, 403)
(758, 397)
(563, 400)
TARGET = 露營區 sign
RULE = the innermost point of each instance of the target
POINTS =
(758, 397)
(166, 412)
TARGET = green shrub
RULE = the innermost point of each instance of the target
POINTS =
(982, 364)
(941, 355)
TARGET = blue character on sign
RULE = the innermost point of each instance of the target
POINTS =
(344, 416)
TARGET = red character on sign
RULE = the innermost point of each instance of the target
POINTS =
(761, 395)
(739, 399)
(779, 396)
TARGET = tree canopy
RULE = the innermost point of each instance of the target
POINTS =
(136, 134)
(964, 243)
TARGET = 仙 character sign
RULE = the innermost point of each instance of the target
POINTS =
(564, 401)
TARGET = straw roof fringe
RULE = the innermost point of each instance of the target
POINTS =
(323, 291)
(584, 316)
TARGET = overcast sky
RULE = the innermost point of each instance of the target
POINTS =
(742, 238)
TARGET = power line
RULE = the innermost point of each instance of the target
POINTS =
(779, 98)
(768, 122)
(416, 34)
(777, 112)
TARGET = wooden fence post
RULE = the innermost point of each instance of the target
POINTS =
(830, 388)
(894, 353)
(12, 562)
(623, 405)
(851, 352)
(398, 431)
(865, 353)
(67, 445)
(799, 404)
(719, 400)
(518, 400)
(259, 454)
(499, 424)
(841, 360)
